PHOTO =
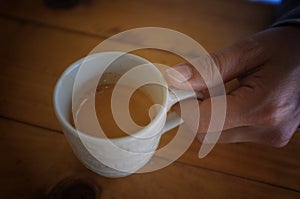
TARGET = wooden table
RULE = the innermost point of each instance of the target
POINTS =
(38, 43)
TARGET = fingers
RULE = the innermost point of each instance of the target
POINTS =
(185, 76)
(251, 116)
(205, 71)
(264, 108)
(238, 110)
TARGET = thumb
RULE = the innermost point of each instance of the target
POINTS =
(231, 62)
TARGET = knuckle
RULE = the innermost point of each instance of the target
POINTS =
(278, 138)
(272, 114)
(219, 60)
(216, 66)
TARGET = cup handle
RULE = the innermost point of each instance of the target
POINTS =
(174, 96)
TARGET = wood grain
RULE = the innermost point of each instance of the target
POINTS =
(39, 43)
(36, 159)
(31, 63)
(39, 54)
(214, 23)
(278, 166)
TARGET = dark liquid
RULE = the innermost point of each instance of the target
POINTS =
(139, 106)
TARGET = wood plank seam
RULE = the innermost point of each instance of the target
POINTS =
(176, 162)
(241, 177)
(30, 124)
(51, 26)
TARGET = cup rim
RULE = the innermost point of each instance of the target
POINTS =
(65, 123)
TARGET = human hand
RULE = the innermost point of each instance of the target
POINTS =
(265, 107)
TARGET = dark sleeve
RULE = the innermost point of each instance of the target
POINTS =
(291, 18)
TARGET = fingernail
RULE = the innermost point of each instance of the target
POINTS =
(180, 73)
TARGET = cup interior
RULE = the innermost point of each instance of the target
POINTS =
(87, 80)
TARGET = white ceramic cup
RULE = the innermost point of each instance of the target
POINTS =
(123, 156)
